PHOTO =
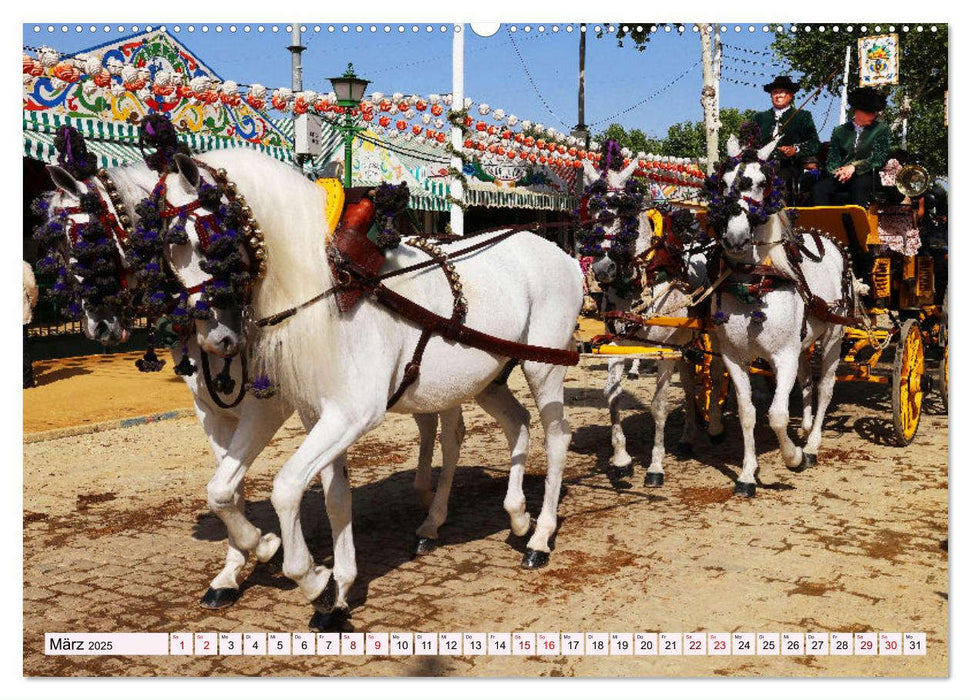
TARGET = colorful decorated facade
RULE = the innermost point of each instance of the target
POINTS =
(509, 163)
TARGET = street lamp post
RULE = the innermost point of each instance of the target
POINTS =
(349, 90)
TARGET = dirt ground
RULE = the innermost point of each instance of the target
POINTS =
(96, 388)
(118, 537)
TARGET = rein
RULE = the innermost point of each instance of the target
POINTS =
(279, 317)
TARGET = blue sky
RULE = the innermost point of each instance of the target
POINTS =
(530, 74)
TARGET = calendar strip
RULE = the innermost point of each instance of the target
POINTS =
(524, 644)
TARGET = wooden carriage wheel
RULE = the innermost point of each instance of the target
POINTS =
(942, 377)
(906, 388)
(705, 384)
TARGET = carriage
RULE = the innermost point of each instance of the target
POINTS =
(902, 341)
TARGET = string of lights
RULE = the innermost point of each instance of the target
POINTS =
(532, 83)
(745, 71)
(651, 96)
(748, 50)
(740, 82)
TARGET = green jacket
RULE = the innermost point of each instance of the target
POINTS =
(800, 131)
(869, 154)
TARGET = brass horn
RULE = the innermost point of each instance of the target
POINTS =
(913, 180)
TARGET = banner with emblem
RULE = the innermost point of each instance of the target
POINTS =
(879, 63)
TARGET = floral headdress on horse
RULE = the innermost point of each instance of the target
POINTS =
(723, 205)
(605, 205)
(221, 223)
(96, 259)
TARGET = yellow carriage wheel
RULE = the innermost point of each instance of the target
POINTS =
(942, 376)
(706, 385)
(906, 389)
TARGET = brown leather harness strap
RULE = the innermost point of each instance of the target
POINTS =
(460, 333)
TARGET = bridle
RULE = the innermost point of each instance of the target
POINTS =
(112, 215)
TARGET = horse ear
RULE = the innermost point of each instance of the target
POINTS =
(733, 148)
(590, 174)
(63, 180)
(187, 169)
(767, 149)
(626, 173)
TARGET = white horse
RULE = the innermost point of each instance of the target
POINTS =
(778, 338)
(666, 297)
(340, 370)
(237, 435)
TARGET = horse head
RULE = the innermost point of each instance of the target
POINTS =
(743, 193)
(83, 236)
(617, 230)
(212, 262)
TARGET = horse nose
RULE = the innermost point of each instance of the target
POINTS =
(101, 330)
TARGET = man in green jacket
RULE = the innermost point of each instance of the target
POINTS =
(858, 150)
(799, 139)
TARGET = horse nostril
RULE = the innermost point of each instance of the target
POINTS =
(101, 329)
(226, 344)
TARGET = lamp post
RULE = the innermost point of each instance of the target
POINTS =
(349, 90)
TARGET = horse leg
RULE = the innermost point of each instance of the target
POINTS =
(686, 371)
(427, 427)
(621, 460)
(498, 401)
(546, 383)
(806, 385)
(330, 437)
(745, 483)
(827, 380)
(337, 501)
(635, 369)
(453, 431)
(659, 410)
(786, 370)
(249, 435)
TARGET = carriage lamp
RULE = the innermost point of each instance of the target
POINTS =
(349, 90)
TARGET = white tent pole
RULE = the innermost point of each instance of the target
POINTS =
(457, 216)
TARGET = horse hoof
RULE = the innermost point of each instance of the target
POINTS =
(717, 439)
(654, 479)
(216, 598)
(329, 622)
(535, 559)
(324, 603)
(685, 449)
(807, 461)
(624, 472)
(633, 375)
(744, 489)
(423, 545)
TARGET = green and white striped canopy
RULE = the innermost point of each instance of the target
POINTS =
(116, 143)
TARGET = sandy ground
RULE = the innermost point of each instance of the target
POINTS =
(118, 537)
(96, 388)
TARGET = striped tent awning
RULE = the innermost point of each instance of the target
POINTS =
(116, 143)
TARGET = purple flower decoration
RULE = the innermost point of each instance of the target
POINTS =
(758, 316)
(262, 388)
(720, 318)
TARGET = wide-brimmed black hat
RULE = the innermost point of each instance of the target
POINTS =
(867, 99)
(782, 82)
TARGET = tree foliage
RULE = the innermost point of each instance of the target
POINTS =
(639, 33)
(684, 139)
(923, 78)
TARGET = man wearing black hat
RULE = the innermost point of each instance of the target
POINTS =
(858, 150)
(799, 139)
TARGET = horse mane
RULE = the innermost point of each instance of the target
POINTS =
(301, 355)
(776, 226)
